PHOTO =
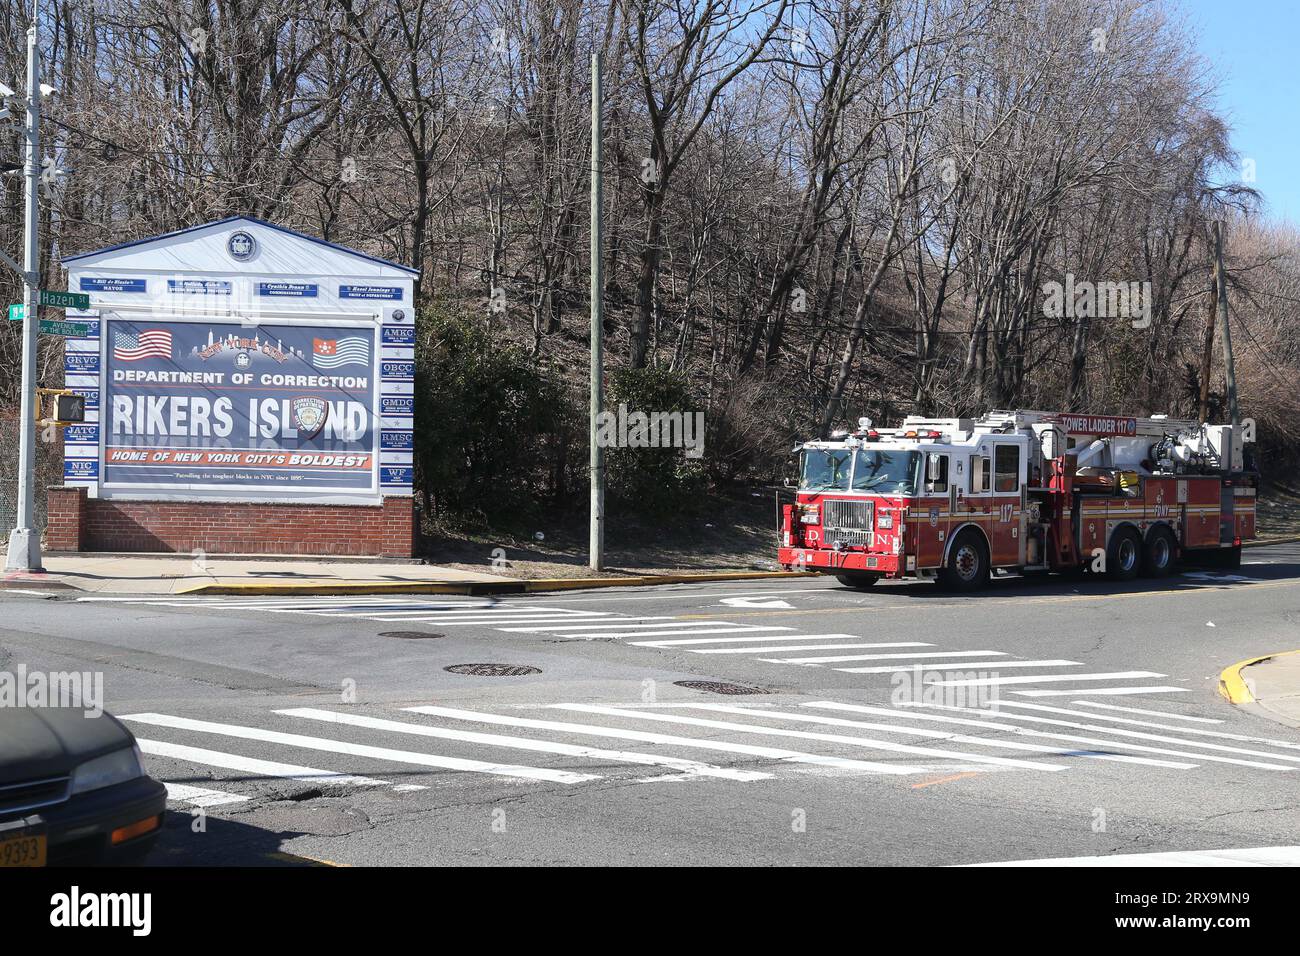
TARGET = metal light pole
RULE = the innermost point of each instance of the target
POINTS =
(24, 540)
(597, 531)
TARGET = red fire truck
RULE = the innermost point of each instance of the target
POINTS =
(956, 499)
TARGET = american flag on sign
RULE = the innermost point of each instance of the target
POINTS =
(133, 346)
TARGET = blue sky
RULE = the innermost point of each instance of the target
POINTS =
(1254, 47)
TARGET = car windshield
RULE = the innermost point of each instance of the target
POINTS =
(886, 472)
(826, 469)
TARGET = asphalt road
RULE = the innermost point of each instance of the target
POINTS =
(286, 727)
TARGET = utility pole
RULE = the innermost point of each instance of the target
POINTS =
(1229, 369)
(1207, 349)
(597, 542)
(24, 541)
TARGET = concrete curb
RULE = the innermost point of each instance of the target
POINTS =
(481, 588)
(1232, 686)
(32, 582)
(1265, 542)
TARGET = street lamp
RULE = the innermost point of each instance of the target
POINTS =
(24, 541)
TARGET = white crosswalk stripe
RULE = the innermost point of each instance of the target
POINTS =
(951, 665)
(498, 740)
(1150, 713)
(933, 734)
(750, 750)
(734, 629)
(1121, 732)
(986, 721)
(265, 768)
(883, 745)
(1040, 678)
(1103, 691)
(362, 750)
(462, 622)
(794, 647)
(1146, 723)
(836, 659)
(201, 796)
(783, 637)
(496, 615)
(631, 624)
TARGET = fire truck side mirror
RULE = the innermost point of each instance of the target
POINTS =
(933, 467)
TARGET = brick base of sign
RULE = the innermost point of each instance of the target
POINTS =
(77, 522)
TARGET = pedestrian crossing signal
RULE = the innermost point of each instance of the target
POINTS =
(69, 407)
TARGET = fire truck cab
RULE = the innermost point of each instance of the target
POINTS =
(956, 499)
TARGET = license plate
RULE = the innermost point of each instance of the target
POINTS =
(23, 851)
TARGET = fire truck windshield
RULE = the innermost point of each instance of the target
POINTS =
(886, 472)
(840, 469)
(826, 469)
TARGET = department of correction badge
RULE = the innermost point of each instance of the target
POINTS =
(309, 415)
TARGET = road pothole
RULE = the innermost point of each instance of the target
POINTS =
(493, 670)
(720, 687)
(411, 635)
(308, 819)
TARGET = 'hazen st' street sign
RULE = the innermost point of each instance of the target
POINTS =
(64, 300)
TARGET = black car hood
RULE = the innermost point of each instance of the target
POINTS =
(36, 743)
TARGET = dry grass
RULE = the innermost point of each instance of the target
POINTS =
(735, 532)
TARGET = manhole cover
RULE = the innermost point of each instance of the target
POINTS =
(719, 687)
(411, 635)
(493, 670)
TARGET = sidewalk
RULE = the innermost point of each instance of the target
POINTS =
(1269, 685)
(181, 574)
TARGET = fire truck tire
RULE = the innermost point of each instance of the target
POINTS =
(858, 582)
(1124, 555)
(1159, 553)
(967, 567)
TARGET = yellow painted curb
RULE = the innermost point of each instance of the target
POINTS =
(342, 588)
(479, 587)
(647, 580)
(1232, 686)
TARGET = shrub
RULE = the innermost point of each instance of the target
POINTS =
(651, 481)
(490, 428)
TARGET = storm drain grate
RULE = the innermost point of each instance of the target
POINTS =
(720, 687)
(411, 635)
(493, 670)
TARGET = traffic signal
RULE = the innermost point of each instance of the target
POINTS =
(70, 408)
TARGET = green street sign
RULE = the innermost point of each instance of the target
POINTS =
(17, 313)
(64, 300)
(58, 327)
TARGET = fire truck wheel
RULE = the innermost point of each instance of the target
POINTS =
(859, 582)
(1124, 556)
(1159, 553)
(967, 568)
